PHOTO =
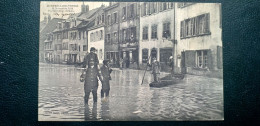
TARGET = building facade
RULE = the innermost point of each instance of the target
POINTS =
(71, 36)
(96, 34)
(111, 33)
(199, 37)
(156, 33)
(129, 21)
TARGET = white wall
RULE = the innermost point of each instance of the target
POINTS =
(159, 19)
(202, 42)
(99, 45)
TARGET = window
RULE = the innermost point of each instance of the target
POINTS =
(65, 46)
(124, 13)
(96, 36)
(79, 48)
(84, 47)
(132, 34)
(100, 54)
(124, 35)
(145, 33)
(115, 37)
(108, 38)
(165, 55)
(166, 30)
(154, 31)
(103, 18)
(195, 26)
(131, 11)
(184, 4)
(92, 37)
(164, 7)
(101, 35)
(108, 19)
(79, 35)
(144, 9)
(115, 18)
(202, 58)
(153, 7)
(144, 55)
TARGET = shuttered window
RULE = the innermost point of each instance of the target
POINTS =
(145, 33)
(154, 32)
(195, 26)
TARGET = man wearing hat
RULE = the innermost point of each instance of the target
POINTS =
(155, 65)
(92, 74)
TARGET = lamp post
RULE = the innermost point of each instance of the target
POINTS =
(173, 40)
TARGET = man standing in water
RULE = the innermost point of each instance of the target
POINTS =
(92, 72)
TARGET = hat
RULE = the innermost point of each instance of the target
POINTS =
(105, 62)
(92, 49)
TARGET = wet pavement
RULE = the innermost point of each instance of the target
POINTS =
(61, 97)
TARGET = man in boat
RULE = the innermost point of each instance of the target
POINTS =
(92, 74)
(155, 65)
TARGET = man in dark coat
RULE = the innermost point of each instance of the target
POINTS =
(92, 73)
(105, 71)
(155, 69)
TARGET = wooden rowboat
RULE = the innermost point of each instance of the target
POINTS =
(168, 80)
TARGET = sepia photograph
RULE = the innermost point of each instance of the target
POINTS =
(130, 61)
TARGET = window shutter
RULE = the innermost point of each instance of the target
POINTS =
(190, 58)
(181, 34)
(207, 23)
(142, 9)
(210, 59)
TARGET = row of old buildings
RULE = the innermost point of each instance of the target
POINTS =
(136, 32)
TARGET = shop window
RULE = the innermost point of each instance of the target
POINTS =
(202, 58)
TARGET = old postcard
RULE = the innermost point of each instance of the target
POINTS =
(130, 61)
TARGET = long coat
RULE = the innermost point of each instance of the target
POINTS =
(91, 79)
(105, 71)
(155, 67)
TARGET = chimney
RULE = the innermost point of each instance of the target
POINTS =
(45, 19)
(49, 18)
(83, 8)
(87, 8)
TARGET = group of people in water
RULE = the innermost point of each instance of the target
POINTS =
(92, 72)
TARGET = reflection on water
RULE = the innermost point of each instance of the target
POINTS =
(61, 97)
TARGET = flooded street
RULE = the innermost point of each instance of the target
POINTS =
(61, 97)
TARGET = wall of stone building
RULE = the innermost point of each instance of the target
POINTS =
(205, 42)
(98, 45)
(160, 42)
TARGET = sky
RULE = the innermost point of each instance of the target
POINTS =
(55, 8)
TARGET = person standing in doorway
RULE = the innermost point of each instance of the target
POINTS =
(93, 72)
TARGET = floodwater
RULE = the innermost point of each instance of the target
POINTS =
(61, 97)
